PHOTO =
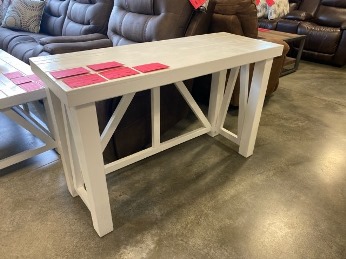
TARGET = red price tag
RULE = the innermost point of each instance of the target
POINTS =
(197, 3)
(106, 65)
(150, 67)
(21, 80)
(69, 72)
(118, 73)
(270, 2)
(31, 86)
(14, 75)
(83, 80)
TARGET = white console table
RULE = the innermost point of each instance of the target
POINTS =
(13, 103)
(78, 134)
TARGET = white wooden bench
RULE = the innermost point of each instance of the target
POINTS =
(13, 103)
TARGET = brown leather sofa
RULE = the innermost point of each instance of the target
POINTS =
(66, 18)
(238, 17)
(324, 24)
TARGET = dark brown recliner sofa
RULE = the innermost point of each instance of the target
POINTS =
(238, 17)
(324, 24)
(61, 18)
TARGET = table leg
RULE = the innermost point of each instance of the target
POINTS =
(60, 137)
(216, 95)
(254, 107)
(299, 55)
(86, 137)
(49, 116)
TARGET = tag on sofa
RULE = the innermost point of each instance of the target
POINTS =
(270, 2)
(197, 3)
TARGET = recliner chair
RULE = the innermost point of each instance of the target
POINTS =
(238, 17)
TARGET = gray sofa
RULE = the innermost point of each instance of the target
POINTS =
(60, 18)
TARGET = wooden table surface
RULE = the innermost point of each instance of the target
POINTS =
(10, 93)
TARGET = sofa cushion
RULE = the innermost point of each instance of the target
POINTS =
(24, 15)
(141, 21)
(320, 39)
(87, 17)
(268, 24)
(290, 26)
(54, 16)
(7, 35)
(334, 3)
(298, 15)
(331, 16)
(20, 44)
(238, 17)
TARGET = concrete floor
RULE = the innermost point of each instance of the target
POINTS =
(201, 199)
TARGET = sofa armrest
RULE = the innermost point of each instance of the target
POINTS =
(70, 39)
(298, 15)
(200, 21)
(343, 26)
(60, 48)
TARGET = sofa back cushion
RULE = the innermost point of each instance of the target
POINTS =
(294, 4)
(309, 6)
(134, 21)
(237, 17)
(86, 17)
(332, 13)
(54, 16)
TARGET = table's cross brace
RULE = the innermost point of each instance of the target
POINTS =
(193, 105)
(157, 145)
(224, 106)
(115, 119)
(33, 119)
(18, 115)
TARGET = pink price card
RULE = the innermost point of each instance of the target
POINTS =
(150, 67)
(36, 79)
(197, 3)
(31, 86)
(21, 80)
(106, 65)
(39, 82)
(33, 77)
(263, 29)
(14, 74)
(69, 72)
(118, 73)
(83, 80)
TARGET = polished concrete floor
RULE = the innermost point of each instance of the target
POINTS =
(200, 199)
